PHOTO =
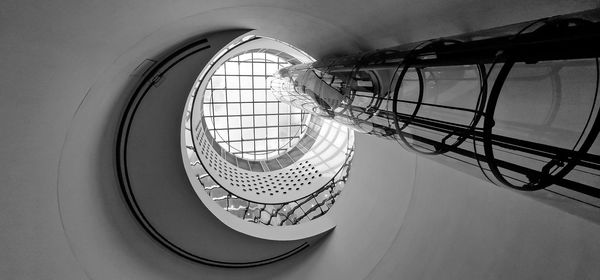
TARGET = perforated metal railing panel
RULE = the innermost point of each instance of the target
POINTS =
(278, 183)
(302, 210)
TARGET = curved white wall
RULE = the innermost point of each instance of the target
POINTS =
(456, 227)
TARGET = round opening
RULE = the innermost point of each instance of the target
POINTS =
(242, 139)
(240, 112)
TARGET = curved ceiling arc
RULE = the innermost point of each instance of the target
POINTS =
(152, 180)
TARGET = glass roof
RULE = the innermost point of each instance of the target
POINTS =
(243, 116)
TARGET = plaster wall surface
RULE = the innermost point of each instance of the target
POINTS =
(456, 227)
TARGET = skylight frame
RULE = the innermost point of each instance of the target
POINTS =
(224, 99)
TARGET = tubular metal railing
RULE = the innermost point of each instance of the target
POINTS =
(519, 103)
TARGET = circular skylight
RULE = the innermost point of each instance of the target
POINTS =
(243, 116)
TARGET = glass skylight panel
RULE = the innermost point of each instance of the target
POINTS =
(243, 116)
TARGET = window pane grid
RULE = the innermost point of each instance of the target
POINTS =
(256, 139)
(246, 102)
(263, 151)
(257, 125)
(257, 115)
(267, 126)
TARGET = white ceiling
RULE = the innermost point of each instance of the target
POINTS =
(53, 52)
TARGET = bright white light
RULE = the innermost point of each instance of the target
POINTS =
(242, 114)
